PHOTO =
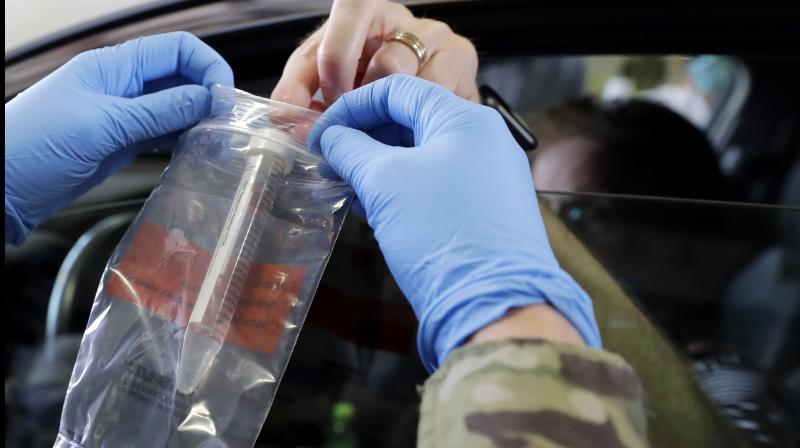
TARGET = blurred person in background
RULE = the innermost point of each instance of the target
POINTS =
(640, 148)
(704, 82)
(708, 79)
(636, 74)
(625, 147)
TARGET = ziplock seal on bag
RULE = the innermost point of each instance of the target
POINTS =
(202, 301)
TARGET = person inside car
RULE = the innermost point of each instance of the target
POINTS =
(510, 335)
(629, 146)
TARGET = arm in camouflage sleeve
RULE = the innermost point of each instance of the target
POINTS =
(519, 393)
(467, 403)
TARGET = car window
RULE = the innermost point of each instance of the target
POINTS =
(720, 280)
(662, 166)
(724, 122)
(697, 87)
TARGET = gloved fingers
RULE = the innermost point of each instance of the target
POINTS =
(350, 153)
(419, 105)
(158, 114)
(95, 174)
(182, 53)
(351, 25)
(300, 79)
(110, 165)
(456, 52)
(165, 83)
(395, 57)
(393, 134)
(128, 66)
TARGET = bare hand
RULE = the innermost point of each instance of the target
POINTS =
(348, 51)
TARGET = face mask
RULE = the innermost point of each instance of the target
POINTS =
(711, 74)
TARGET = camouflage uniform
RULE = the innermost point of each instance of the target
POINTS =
(521, 393)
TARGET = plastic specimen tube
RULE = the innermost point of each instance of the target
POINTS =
(267, 160)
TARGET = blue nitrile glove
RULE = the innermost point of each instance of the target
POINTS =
(455, 215)
(91, 117)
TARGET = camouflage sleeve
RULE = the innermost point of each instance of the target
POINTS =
(532, 394)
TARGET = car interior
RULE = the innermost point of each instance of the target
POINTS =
(719, 279)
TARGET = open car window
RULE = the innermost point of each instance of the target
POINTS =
(628, 106)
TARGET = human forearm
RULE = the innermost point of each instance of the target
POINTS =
(536, 321)
(532, 393)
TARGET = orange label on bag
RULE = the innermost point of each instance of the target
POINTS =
(162, 272)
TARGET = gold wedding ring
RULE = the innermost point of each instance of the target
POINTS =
(413, 42)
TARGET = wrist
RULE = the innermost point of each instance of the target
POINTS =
(539, 321)
(454, 319)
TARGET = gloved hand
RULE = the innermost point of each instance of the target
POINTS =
(455, 215)
(91, 117)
